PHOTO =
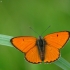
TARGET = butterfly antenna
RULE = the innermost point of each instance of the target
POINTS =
(33, 30)
(45, 30)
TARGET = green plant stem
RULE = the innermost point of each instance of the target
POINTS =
(62, 63)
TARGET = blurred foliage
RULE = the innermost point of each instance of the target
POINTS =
(15, 18)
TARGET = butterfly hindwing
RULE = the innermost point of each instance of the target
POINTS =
(51, 54)
(33, 55)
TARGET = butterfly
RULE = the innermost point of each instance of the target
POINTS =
(46, 49)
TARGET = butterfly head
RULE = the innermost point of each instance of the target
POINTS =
(41, 42)
(40, 37)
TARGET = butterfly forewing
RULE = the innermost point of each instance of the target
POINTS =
(57, 39)
(24, 44)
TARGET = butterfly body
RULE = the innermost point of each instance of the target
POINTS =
(41, 47)
(46, 49)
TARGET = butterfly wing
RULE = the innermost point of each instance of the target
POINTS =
(28, 46)
(51, 54)
(33, 55)
(54, 42)
(24, 44)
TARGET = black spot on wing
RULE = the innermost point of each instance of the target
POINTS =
(57, 35)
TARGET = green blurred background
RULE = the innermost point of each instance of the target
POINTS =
(15, 18)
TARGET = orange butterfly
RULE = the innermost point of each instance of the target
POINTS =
(42, 49)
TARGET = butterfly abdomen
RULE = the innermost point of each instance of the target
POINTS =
(41, 47)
